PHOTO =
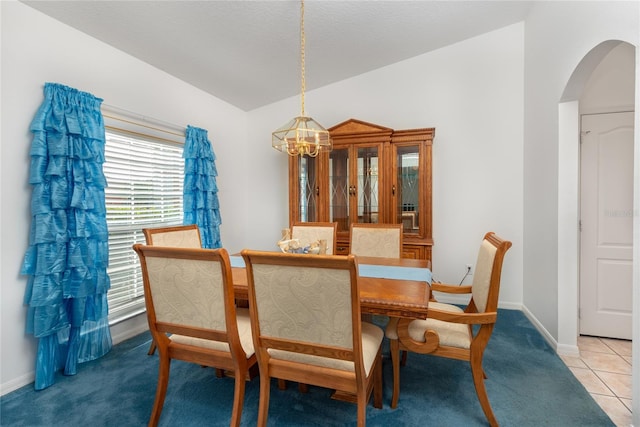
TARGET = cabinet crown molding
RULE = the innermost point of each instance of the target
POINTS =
(357, 126)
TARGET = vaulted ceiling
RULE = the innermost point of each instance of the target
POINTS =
(248, 52)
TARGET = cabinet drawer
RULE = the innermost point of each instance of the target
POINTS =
(342, 249)
(413, 252)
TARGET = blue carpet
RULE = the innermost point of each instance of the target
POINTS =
(528, 385)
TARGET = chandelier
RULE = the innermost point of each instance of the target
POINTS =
(302, 136)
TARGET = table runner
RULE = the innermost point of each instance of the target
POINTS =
(369, 270)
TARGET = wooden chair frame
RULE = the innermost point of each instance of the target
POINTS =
(355, 382)
(471, 316)
(235, 360)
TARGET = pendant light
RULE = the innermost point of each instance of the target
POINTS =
(302, 136)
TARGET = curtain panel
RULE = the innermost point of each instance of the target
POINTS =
(68, 253)
(200, 193)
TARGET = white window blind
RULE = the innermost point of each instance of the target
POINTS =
(145, 177)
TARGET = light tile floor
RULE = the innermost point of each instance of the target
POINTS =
(604, 369)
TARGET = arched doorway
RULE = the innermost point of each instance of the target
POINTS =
(570, 110)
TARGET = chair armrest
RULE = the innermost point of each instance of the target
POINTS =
(465, 318)
(431, 338)
(450, 289)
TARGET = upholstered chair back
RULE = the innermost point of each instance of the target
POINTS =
(187, 291)
(180, 236)
(318, 302)
(309, 232)
(376, 240)
(482, 275)
(193, 288)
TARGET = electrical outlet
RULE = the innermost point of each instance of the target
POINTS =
(469, 269)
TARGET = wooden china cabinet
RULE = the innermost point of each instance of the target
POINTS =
(373, 174)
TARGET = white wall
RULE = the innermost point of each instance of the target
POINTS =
(37, 49)
(472, 93)
(558, 36)
(610, 88)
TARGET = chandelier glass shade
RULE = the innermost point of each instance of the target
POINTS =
(301, 136)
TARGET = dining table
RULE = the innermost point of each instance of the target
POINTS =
(395, 287)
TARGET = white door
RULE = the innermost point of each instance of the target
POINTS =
(606, 210)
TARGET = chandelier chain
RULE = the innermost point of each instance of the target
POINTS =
(302, 43)
(302, 136)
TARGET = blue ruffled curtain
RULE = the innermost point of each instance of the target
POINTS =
(200, 193)
(68, 250)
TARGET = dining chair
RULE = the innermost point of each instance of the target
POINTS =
(305, 320)
(309, 232)
(192, 317)
(376, 240)
(306, 233)
(177, 236)
(452, 332)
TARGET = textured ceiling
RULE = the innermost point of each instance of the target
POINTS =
(247, 52)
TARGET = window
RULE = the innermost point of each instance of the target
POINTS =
(145, 177)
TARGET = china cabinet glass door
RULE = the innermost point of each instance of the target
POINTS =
(407, 188)
(308, 189)
(367, 186)
(354, 186)
(340, 188)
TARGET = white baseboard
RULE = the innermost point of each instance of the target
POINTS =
(129, 328)
(17, 383)
(561, 349)
(545, 334)
(568, 350)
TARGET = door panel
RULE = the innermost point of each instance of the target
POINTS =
(607, 225)
(617, 274)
